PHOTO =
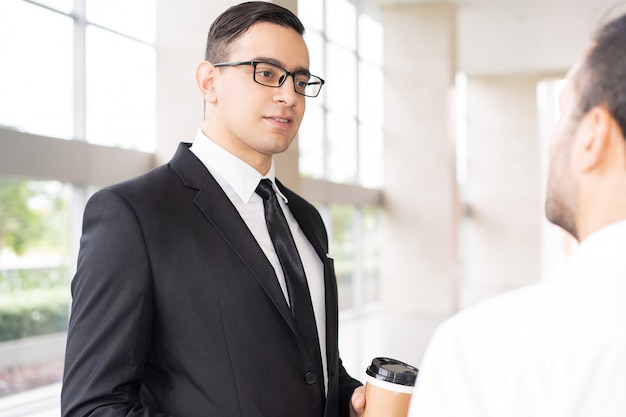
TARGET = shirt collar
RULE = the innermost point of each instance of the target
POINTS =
(242, 177)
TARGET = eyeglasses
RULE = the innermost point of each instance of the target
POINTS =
(271, 75)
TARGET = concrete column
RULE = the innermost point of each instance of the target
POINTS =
(182, 28)
(419, 269)
(502, 243)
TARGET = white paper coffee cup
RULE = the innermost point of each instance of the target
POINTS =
(388, 388)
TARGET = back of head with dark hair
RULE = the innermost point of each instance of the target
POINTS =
(236, 20)
(603, 81)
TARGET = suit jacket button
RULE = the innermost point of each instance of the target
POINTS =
(310, 378)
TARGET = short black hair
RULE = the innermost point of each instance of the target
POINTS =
(236, 20)
(603, 74)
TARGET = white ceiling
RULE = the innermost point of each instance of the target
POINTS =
(521, 36)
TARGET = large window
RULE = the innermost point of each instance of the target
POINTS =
(355, 241)
(82, 71)
(86, 74)
(341, 138)
(35, 264)
(37, 69)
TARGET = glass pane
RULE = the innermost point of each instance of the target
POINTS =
(342, 152)
(342, 247)
(311, 13)
(370, 250)
(370, 39)
(371, 156)
(36, 264)
(64, 6)
(371, 94)
(311, 143)
(341, 22)
(136, 18)
(36, 70)
(341, 82)
(315, 43)
(121, 91)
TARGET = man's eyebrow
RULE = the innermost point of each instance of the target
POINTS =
(298, 70)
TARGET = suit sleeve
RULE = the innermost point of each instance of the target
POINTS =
(347, 385)
(111, 318)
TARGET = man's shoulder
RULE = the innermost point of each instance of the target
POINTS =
(141, 182)
(156, 175)
(509, 315)
(154, 184)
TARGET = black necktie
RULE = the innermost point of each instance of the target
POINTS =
(295, 278)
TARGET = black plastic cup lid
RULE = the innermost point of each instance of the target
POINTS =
(392, 370)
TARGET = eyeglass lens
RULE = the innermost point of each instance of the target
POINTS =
(273, 76)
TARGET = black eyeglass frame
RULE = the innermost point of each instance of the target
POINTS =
(282, 79)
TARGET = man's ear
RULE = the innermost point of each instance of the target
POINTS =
(595, 134)
(206, 75)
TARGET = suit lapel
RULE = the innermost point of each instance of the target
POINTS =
(223, 216)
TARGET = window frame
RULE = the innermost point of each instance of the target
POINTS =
(325, 192)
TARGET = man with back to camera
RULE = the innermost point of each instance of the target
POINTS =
(182, 305)
(556, 348)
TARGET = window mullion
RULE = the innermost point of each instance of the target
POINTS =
(80, 69)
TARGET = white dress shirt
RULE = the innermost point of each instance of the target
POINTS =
(239, 181)
(555, 348)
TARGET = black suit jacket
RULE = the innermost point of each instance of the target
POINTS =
(177, 311)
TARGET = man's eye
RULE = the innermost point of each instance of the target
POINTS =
(302, 80)
(266, 74)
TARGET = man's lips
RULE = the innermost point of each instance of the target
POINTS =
(280, 119)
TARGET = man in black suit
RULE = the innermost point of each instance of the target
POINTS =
(180, 303)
